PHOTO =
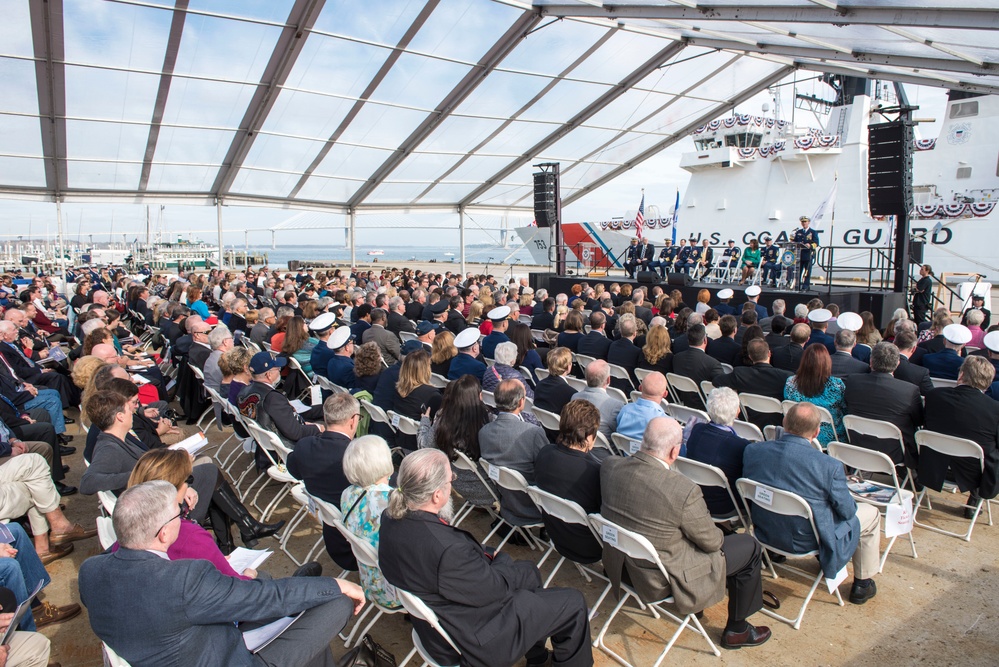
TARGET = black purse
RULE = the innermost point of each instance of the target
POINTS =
(368, 653)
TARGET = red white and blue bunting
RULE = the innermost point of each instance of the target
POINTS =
(945, 211)
(924, 144)
(626, 225)
(741, 119)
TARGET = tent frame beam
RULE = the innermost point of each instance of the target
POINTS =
(48, 42)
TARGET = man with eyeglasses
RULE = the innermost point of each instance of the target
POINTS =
(271, 408)
(494, 608)
(188, 610)
(317, 460)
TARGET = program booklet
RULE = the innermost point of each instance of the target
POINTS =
(875, 492)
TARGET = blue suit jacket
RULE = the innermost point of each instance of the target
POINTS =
(320, 359)
(185, 611)
(822, 338)
(943, 364)
(490, 342)
(792, 464)
(465, 364)
(340, 370)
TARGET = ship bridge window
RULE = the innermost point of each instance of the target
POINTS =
(964, 109)
(744, 140)
(707, 144)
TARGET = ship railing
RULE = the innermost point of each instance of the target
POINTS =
(873, 265)
(587, 257)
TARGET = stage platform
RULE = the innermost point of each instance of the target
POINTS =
(849, 298)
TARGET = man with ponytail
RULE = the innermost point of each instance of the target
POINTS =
(493, 607)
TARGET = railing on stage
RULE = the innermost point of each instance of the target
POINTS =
(878, 266)
(591, 258)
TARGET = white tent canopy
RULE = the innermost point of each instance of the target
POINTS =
(437, 105)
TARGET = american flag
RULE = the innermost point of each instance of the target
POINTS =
(640, 218)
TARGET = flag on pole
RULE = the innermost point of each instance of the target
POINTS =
(825, 209)
(676, 214)
(640, 218)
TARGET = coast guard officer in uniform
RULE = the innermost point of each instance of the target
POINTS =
(465, 363)
(683, 259)
(321, 353)
(769, 256)
(631, 258)
(809, 241)
(340, 369)
(666, 257)
(730, 258)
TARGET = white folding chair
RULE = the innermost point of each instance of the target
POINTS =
(569, 512)
(489, 398)
(549, 420)
(541, 373)
(328, 384)
(584, 360)
(105, 532)
(683, 414)
(438, 381)
(682, 384)
(942, 382)
(624, 445)
(764, 405)
(277, 452)
(635, 395)
(770, 432)
(706, 387)
(614, 392)
(306, 508)
(637, 546)
(402, 423)
(511, 480)
(704, 474)
(112, 658)
(417, 608)
(108, 501)
(726, 368)
(787, 504)
(870, 461)
(376, 413)
(406, 336)
(746, 430)
(642, 373)
(825, 417)
(574, 382)
(956, 447)
(877, 429)
(462, 462)
(621, 373)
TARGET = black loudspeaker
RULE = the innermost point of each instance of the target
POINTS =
(647, 277)
(916, 250)
(682, 279)
(889, 168)
(545, 204)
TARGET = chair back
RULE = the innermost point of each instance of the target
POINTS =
(726, 368)
(626, 541)
(620, 373)
(942, 382)
(825, 416)
(462, 462)
(402, 423)
(682, 383)
(417, 608)
(329, 513)
(861, 458)
(549, 420)
(541, 373)
(108, 501)
(703, 474)
(105, 532)
(406, 336)
(707, 387)
(562, 509)
(198, 373)
(683, 414)
(574, 382)
(780, 502)
(438, 380)
(269, 442)
(376, 413)
(951, 446)
(363, 551)
(874, 428)
(770, 432)
(507, 478)
(328, 384)
(614, 392)
(642, 373)
(748, 431)
(761, 404)
(584, 360)
(489, 398)
(625, 446)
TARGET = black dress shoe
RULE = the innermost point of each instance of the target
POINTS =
(311, 569)
(65, 469)
(68, 420)
(753, 636)
(65, 489)
(861, 593)
(64, 439)
(66, 451)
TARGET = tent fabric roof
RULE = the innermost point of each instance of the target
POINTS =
(405, 105)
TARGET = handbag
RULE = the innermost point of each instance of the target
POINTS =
(368, 653)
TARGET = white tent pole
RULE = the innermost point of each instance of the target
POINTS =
(62, 252)
(461, 237)
(353, 238)
(218, 215)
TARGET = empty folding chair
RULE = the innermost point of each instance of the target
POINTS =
(638, 547)
(621, 374)
(956, 447)
(277, 453)
(787, 504)
(683, 414)
(876, 435)
(869, 461)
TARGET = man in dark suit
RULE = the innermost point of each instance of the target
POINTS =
(28, 371)
(624, 353)
(843, 361)
(716, 444)
(642, 311)
(595, 344)
(553, 392)
(778, 326)
(200, 349)
(695, 363)
(642, 493)
(788, 357)
(947, 362)
(455, 322)
(188, 608)
(760, 378)
(818, 320)
(397, 320)
(387, 342)
(878, 395)
(546, 318)
(964, 411)
(905, 341)
(317, 460)
(492, 607)
(845, 528)
(511, 442)
(414, 309)
(725, 349)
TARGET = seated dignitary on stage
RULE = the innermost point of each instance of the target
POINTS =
(570, 470)
(494, 608)
(188, 611)
(597, 381)
(845, 528)
(717, 444)
(964, 411)
(466, 362)
(271, 408)
(317, 460)
(642, 493)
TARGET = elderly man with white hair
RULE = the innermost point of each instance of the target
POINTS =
(717, 444)
(221, 341)
(189, 608)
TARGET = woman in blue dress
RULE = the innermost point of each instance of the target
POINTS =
(814, 383)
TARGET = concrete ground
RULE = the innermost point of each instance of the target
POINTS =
(939, 609)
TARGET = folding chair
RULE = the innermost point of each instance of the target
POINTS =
(511, 480)
(638, 547)
(367, 556)
(746, 430)
(584, 360)
(861, 431)
(704, 474)
(272, 446)
(541, 373)
(462, 462)
(402, 423)
(549, 420)
(787, 504)
(706, 387)
(957, 447)
(682, 384)
(825, 417)
(867, 460)
(105, 532)
(417, 608)
(942, 382)
(489, 398)
(635, 395)
(376, 413)
(112, 658)
(621, 373)
(642, 373)
(568, 511)
(574, 382)
(726, 368)
(406, 336)
(307, 508)
(767, 409)
(438, 381)
(614, 392)
(327, 384)
(624, 445)
(683, 414)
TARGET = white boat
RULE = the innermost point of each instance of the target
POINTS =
(753, 176)
(375, 253)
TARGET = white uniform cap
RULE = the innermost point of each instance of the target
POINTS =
(753, 290)
(992, 341)
(726, 294)
(850, 321)
(957, 334)
(500, 313)
(819, 315)
(339, 338)
(322, 322)
(467, 338)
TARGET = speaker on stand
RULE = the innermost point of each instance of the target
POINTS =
(548, 211)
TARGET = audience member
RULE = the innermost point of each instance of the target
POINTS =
(717, 444)
(553, 392)
(815, 384)
(947, 362)
(635, 416)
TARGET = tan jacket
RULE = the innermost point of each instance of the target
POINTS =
(640, 494)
